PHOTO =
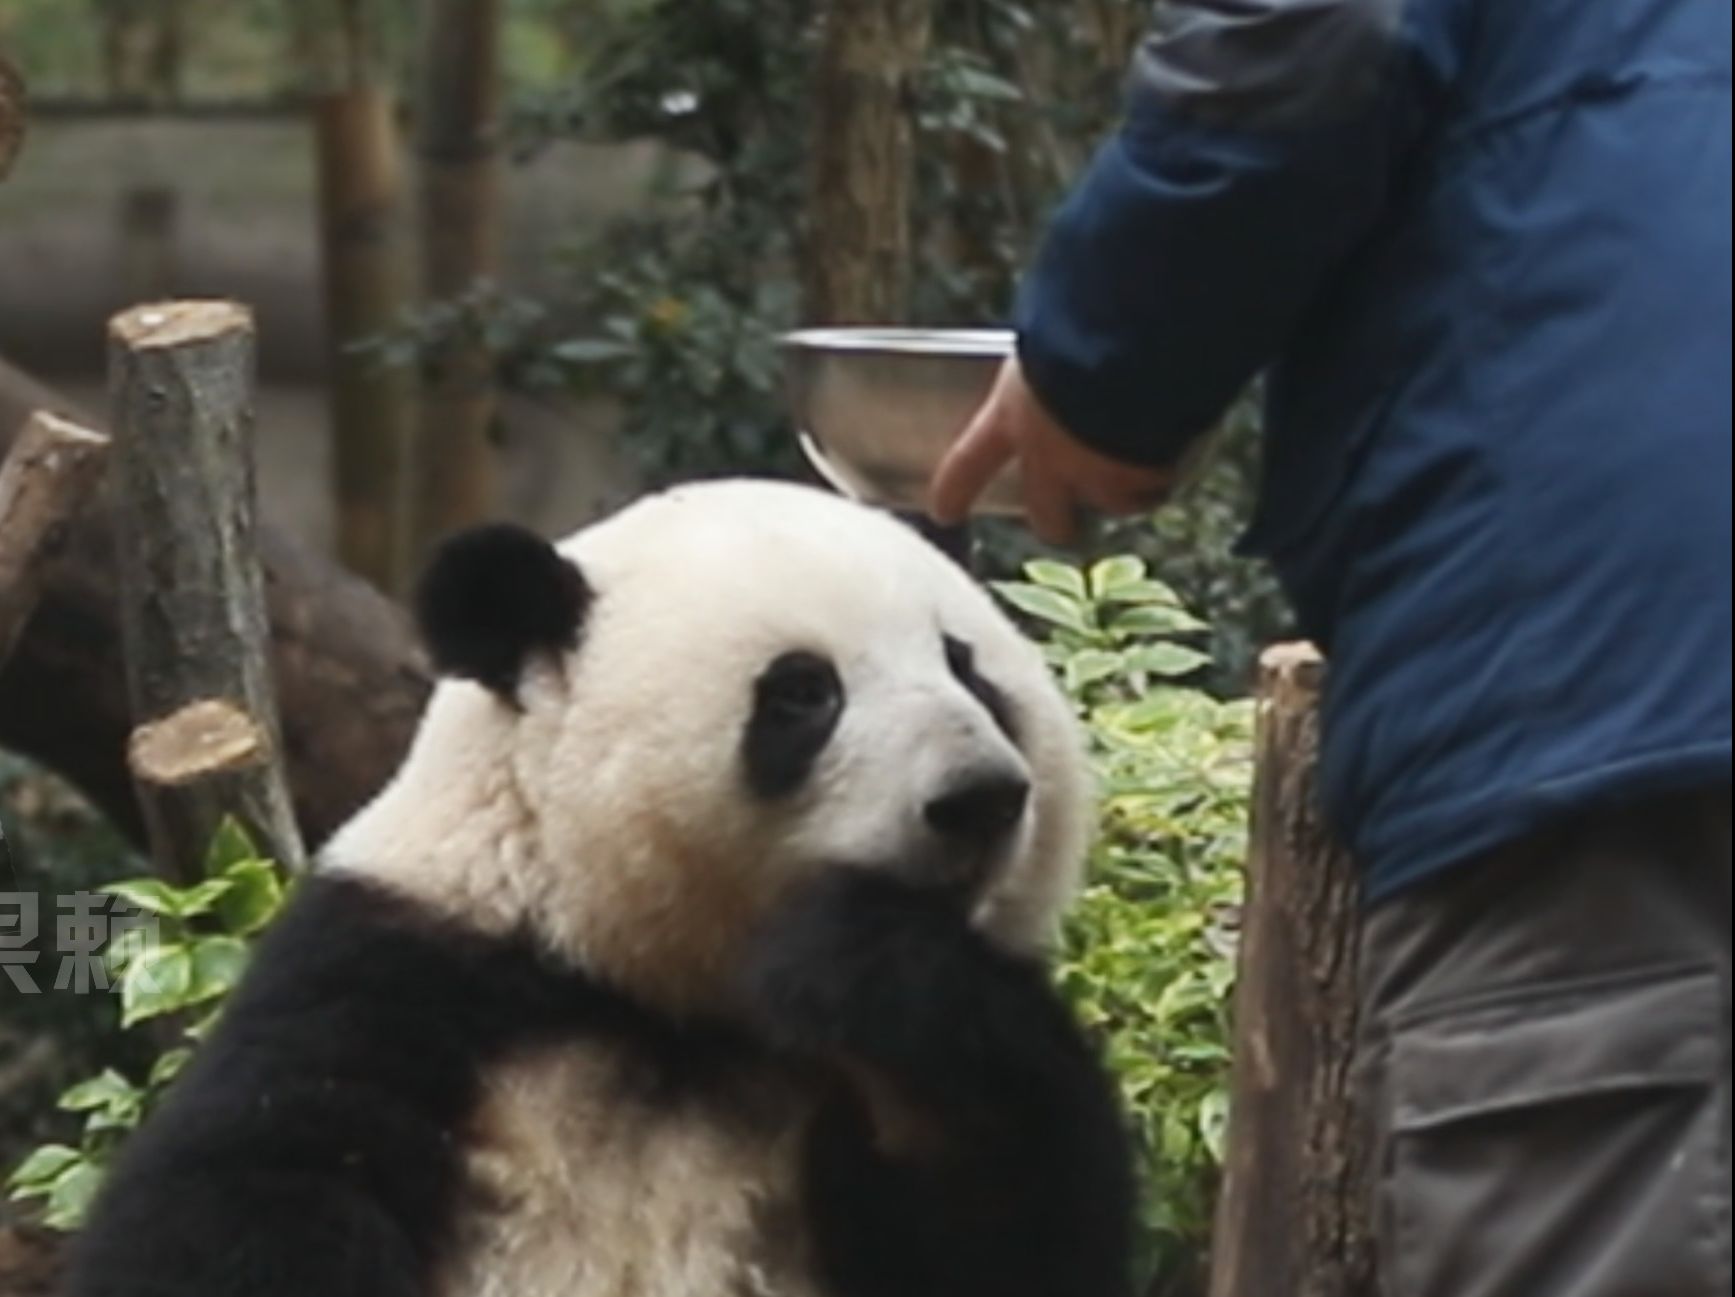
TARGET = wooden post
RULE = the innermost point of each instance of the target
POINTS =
(368, 278)
(43, 484)
(196, 766)
(458, 141)
(191, 597)
(350, 678)
(1292, 1219)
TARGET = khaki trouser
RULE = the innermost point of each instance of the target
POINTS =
(1546, 1053)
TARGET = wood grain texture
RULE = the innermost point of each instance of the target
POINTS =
(1293, 1216)
(192, 600)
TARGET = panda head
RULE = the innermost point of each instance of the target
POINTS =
(645, 734)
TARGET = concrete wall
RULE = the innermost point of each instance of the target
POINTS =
(243, 226)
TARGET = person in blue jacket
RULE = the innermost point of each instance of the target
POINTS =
(1479, 251)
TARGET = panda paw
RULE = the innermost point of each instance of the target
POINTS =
(862, 969)
(843, 950)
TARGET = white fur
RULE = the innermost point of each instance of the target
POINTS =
(601, 1199)
(611, 815)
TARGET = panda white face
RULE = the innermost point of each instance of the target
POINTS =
(756, 682)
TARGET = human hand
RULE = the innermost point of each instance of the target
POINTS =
(1059, 475)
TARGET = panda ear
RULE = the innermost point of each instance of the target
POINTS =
(953, 542)
(493, 595)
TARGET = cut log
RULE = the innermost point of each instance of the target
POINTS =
(191, 598)
(198, 742)
(197, 766)
(46, 479)
(350, 679)
(1293, 1216)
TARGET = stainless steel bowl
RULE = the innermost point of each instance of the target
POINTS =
(877, 409)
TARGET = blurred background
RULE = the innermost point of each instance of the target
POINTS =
(590, 218)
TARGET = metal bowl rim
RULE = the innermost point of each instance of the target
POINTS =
(980, 344)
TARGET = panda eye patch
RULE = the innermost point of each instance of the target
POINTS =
(960, 658)
(796, 704)
(961, 662)
(798, 686)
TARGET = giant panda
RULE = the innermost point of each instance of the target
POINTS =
(695, 950)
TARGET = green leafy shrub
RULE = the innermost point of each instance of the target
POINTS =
(180, 973)
(56, 844)
(1148, 957)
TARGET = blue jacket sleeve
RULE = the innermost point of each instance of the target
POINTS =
(1258, 148)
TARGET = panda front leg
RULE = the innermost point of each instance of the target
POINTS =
(1008, 1170)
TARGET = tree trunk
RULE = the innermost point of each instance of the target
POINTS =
(12, 115)
(856, 262)
(456, 469)
(979, 181)
(350, 679)
(366, 255)
(142, 46)
(1292, 1218)
(367, 288)
(192, 604)
(44, 483)
(196, 768)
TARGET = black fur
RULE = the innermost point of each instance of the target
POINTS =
(312, 1149)
(961, 659)
(314, 1146)
(1032, 1192)
(955, 542)
(493, 595)
(797, 702)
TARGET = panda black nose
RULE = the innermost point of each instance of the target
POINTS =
(979, 811)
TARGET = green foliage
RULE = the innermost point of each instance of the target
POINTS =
(682, 300)
(181, 972)
(1148, 959)
(1191, 542)
(58, 845)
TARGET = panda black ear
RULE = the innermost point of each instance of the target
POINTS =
(953, 542)
(493, 595)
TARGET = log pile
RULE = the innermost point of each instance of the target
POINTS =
(350, 681)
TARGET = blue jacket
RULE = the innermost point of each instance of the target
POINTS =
(1480, 250)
